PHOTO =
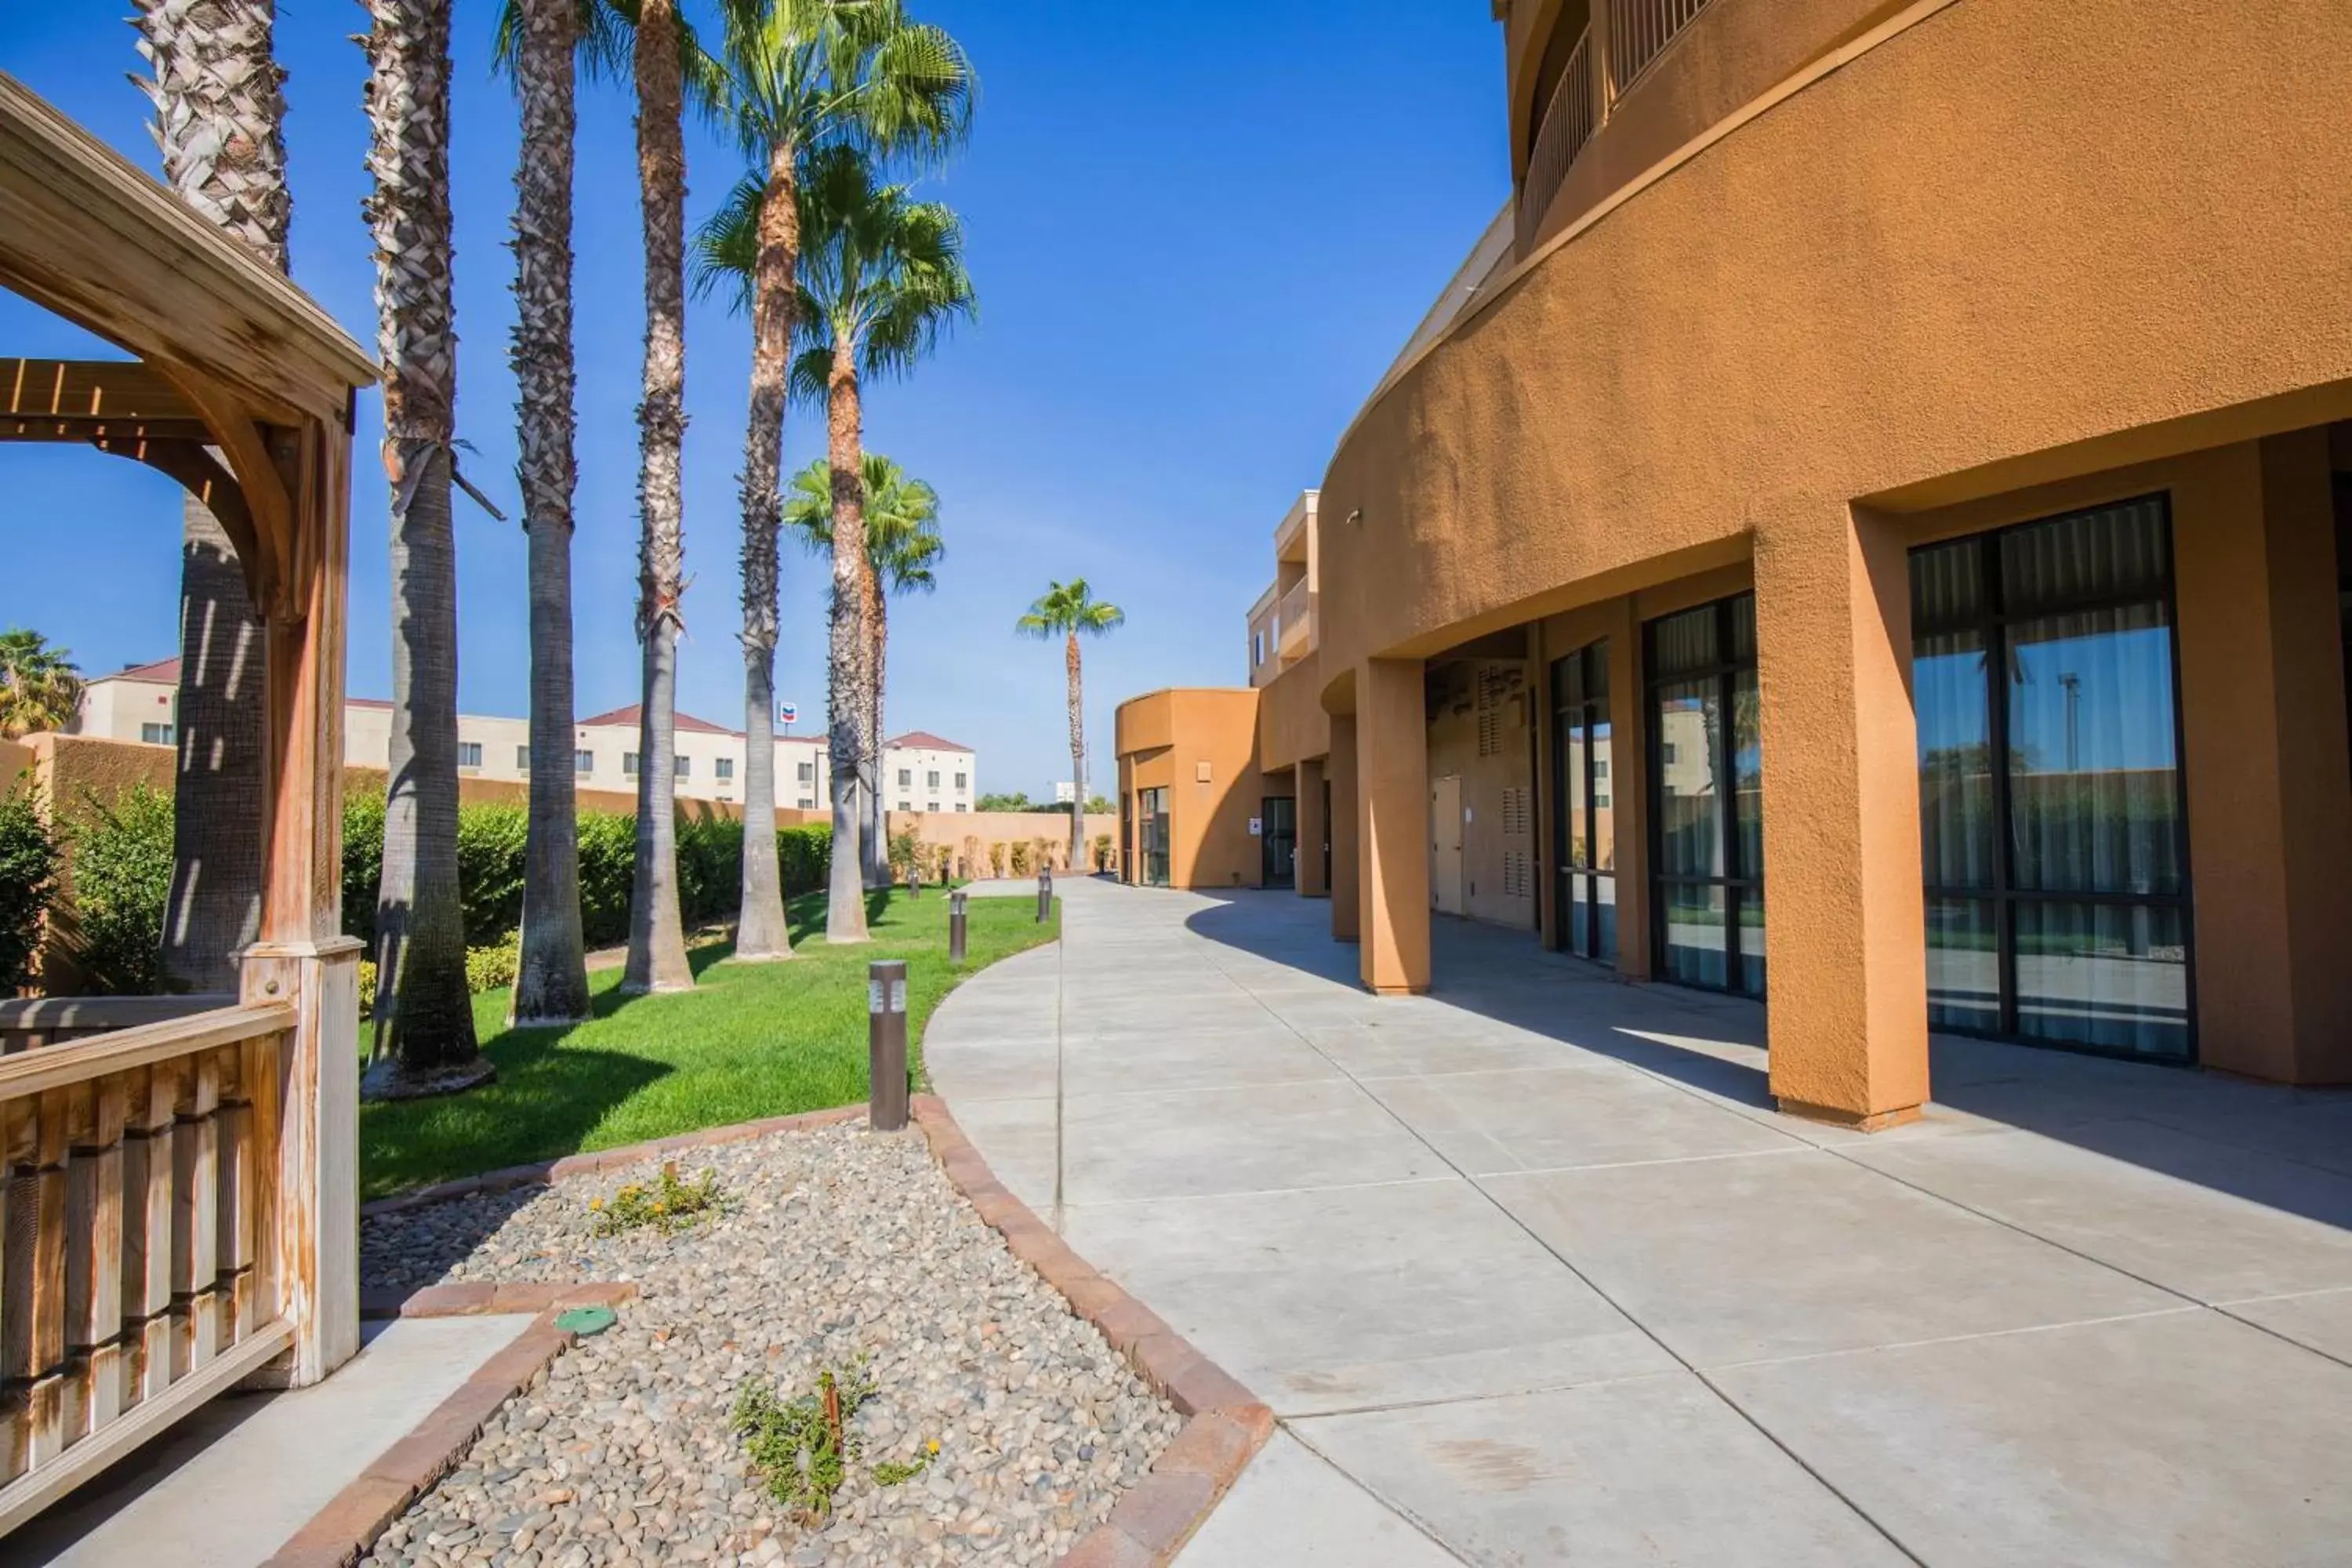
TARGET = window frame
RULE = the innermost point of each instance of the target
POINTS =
(1992, 622)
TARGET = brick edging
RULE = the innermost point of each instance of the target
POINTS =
(340, 1533)
(543, 1172)
(1226, 1425)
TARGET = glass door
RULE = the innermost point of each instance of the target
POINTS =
(1151, 820)
(1278, 840)
(1707, 811)
(1584, 832)
(2053, 830)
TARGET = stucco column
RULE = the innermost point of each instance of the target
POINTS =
(1309, 791)
(1346, 861)
(1393, 817)
(1845, 917)
(2270, 812)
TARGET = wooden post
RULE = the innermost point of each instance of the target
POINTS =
(313, 1231)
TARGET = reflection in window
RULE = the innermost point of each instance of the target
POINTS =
(2054, 838)
(1585, 836)
(1708, 796)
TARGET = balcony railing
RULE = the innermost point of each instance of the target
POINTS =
(1639, 31)
(1296, 619)
(1569, 120)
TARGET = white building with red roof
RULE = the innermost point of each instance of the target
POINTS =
(920, 771)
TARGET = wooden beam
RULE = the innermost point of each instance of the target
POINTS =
(85, 233)
(83, 400)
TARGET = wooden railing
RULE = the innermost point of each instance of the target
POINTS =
(140, 1262)
(53, 1020)
(1570, 118)
(1640, 30)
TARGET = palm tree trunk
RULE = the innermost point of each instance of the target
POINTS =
(878, 815)
(551, 980)
(1077, 751)
(423, 1014)
(657, 960)
(221, 782)
(760, 931)
(845, 910)
(220, 112)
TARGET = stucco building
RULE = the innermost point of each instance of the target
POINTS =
(1870, 528)
(140, 704)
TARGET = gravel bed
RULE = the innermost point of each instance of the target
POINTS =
(838, 1243)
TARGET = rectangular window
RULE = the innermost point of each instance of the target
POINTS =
(685, 767)
(2054, 829)
(723, 769)
(157, 735)
(628, 765)
(904, 805)
(522, 758)
(807, 772)
(1707, 822)
(470, 753)
(931, 779)
(963, 807)
(1584, 830)
(808, 802)
(584, 762)
(905, 777)
(934, 806)
(963, 782)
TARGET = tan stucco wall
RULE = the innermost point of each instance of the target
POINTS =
(969, 834)
(1168, 739)
(1291, 723)
(1829, 304)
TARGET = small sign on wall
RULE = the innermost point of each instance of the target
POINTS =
(1257, 827)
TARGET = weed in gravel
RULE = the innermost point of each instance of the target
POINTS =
(670, 1205)
(804, 1447)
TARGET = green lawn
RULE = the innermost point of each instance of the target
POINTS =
(752, 1040)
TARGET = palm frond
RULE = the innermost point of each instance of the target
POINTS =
(725, 246)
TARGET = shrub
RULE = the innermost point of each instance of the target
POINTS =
(123, 884)
(905, 848)
(363, 863)
(493, 843)
(996, 859)
(807, 855)
(608, 858)
(709, 868)
(29, 880)
(1020, 858)
(488, 968)
(1102, 851)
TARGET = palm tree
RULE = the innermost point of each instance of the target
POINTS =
(802, 75)
(1064, 610)
(220, 109)
(882, 275)
(40, 688)
(423, 1014)
(902, 548)
(536, 40)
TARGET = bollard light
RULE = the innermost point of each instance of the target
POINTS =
(914, 883)
(955, 927)
(885, 1044)
(1044, 894)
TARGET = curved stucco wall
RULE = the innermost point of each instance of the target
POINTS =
(2008, 242)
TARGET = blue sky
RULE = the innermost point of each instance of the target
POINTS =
(1199, 232)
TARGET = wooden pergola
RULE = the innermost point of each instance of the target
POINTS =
(182, 1177)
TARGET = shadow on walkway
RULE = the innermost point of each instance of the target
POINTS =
(2286, 1148)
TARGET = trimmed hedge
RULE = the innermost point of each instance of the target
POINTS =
(29, 857)
(490, 846)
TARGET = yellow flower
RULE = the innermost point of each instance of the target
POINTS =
(933, 1445)
(595, 1202)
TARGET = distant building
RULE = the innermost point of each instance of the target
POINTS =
(920, 772)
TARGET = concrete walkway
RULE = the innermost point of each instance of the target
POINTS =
(1533, 1274)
